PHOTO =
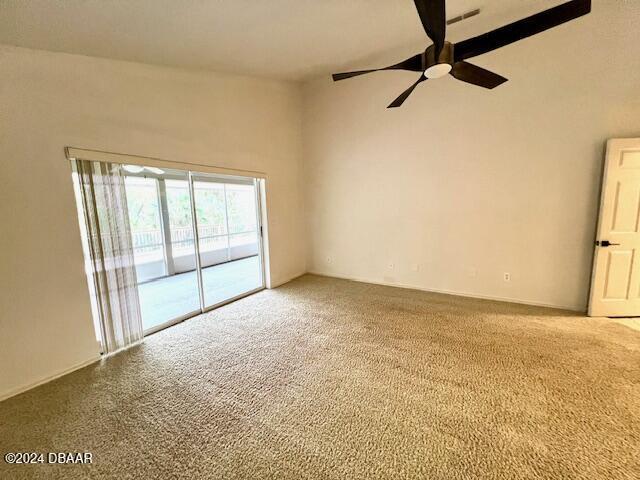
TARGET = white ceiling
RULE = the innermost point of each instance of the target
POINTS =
(286, 39)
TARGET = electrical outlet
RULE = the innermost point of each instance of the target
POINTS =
(507, 277)
(391, 265)
(328, 259)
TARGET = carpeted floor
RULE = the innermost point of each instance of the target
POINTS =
(325, 378)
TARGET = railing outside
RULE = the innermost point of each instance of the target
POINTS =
(150, 240)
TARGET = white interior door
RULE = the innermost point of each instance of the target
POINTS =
(615, 284)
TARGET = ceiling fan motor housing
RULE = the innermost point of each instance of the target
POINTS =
(440, 66)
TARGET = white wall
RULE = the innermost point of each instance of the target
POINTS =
(461, 182)
(467, 183)
(51, 100)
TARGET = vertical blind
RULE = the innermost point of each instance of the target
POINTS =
(110, 246)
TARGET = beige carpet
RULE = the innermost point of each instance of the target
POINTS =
(325, 378)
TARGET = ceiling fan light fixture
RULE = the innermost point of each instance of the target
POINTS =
(439, 59)
(438, 70)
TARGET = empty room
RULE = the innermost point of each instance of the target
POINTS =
(297, 239)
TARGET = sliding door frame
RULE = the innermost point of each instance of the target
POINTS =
(257, 188)
(196, 241)
(220, 178)
(258, 184)
(192, 169)
(171, 323)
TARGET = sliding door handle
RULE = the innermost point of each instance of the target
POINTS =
(605, 243)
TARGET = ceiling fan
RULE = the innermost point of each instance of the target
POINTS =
(444, 57)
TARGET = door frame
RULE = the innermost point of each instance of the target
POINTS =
(258, 184)
(612, 145)
(259, 178)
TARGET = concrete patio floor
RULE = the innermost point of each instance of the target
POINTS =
(168, 298)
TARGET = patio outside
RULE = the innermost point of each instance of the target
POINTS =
(162, 228)
(165, 299)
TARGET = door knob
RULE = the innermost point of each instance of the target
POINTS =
(605, 243)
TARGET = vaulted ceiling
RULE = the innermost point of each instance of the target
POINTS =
(286, 39)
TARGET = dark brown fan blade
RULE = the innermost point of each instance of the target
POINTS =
(413, 64)
(521, 29)
(434, 20)
(342, 76)
(467, 72)
(403, 96)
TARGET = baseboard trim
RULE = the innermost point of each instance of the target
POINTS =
(450, 292)
(24, 388)
(61, 373)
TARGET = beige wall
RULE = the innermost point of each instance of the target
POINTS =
(465, 184)
(446, 193)
(48, 101)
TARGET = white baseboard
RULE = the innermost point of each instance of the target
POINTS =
(450, 292)
(16, 391)
(24, 388)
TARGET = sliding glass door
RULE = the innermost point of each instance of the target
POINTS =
(160, 216)
(228, 237)
(197, 241)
